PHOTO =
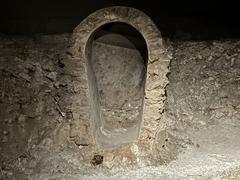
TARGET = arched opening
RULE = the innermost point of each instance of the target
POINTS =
(116, 55)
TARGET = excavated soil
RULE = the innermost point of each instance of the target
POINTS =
(202, 113)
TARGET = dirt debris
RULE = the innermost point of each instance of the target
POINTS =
(38, 139)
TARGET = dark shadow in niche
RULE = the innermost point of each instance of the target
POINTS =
(117, 57)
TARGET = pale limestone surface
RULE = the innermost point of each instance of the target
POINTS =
(77, 65)
(202, 115)
(38, 139)
(119, 72)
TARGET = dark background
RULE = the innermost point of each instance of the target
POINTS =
(175, 19)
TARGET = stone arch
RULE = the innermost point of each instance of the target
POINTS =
(157, 69)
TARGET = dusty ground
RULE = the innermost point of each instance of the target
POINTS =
(202, 111)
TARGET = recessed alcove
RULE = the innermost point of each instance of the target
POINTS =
(116, 65)
(118, 60)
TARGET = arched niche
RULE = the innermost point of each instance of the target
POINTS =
(154, 68)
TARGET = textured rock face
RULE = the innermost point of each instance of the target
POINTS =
(44, 133)
(119, 75)
(77, 64)
(31, 90)
(40, 136)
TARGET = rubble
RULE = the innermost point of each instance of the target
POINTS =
(40, 135)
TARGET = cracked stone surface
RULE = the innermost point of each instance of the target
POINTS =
(119, 74)
(38, 135)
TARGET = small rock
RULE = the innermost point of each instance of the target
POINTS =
(30, 67)
(56, 85)
(5, 133)
(38, 73)
(232, 61)
(25, 76)
(60, 84)
(227, 56)
(210, 58)
(5, 139)
(47, 90)
(52, 76)
(63, 114)
(108, 160)
(48, 66)
(8, 121)
(199, 56)
(22, 118)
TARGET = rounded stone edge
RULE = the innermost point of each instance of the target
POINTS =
(158, 59)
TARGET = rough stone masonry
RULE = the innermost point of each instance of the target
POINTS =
(40, 136)
(77, 64)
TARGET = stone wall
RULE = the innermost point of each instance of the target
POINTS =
(157, 69)
(41, 137)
